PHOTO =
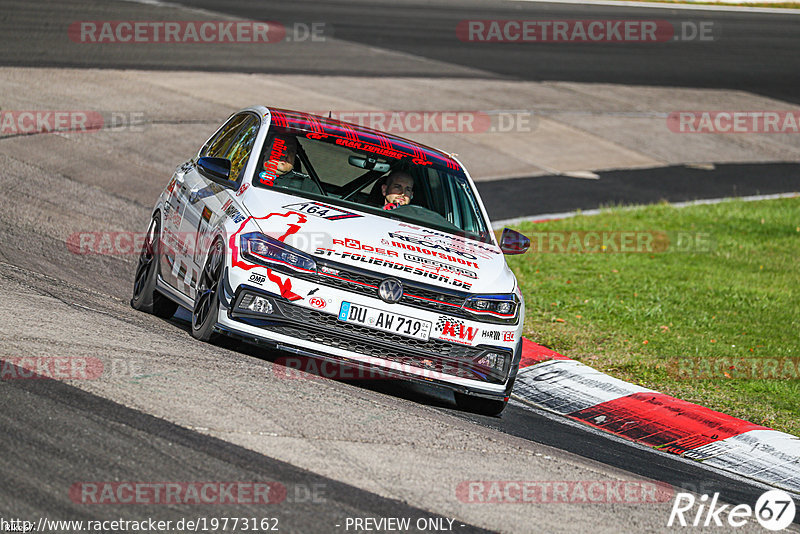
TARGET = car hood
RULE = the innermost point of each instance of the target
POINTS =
(347, 236)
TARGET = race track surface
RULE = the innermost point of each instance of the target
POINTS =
(167, 408)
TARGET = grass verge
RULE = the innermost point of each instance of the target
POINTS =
(703, 304)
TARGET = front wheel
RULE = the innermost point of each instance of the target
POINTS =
(206, 298)
(145, 296)
(479, 405)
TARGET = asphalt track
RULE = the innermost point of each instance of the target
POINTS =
(54, 434)
(755, 53)
(518, 198)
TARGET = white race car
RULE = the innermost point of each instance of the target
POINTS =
(340, 243)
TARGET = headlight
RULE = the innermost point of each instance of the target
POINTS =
(503, 307)
(263, 250)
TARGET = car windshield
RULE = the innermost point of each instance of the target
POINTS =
(345, 173)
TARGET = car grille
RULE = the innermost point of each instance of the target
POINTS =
(326, 329)
(414, 295)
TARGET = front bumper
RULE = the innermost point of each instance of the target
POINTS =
(302, 330)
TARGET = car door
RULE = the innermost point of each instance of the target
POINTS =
(206, 200)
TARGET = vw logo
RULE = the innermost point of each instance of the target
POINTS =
(390, 290)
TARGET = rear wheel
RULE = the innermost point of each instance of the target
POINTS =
(479, 405)
(145, 296)
(206, 298)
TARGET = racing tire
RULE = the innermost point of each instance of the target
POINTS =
(206, 298)
(146, 297)
(479, 405)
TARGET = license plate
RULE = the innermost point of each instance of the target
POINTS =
(385, 321)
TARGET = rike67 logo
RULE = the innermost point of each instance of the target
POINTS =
(774, 510)
(456, 331)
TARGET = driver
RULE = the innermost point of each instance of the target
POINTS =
(398, 190)
(278, 159)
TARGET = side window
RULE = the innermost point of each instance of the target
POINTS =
(439, 199)
(241, 148)
(217, 146)
(234, 142)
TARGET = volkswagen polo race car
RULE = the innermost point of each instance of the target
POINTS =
(278, 232)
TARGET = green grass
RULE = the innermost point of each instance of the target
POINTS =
(645, 316)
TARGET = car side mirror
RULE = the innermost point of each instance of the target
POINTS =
(217, 170)
(513, 242)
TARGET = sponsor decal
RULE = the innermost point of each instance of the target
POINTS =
(232, 211)
(443, 248)
(202, 231)
(389, 264)
(242, 189)
(170, 186)
(455, 330)
(356, 244)
(324, 211)
(317, 302)
(427, 233)
(266, 178)
(257, 278)
(490, 334)
(389, 153)
(206, 215)
(277, 153)
(439, 265)
(498, 335)
(292, 223)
